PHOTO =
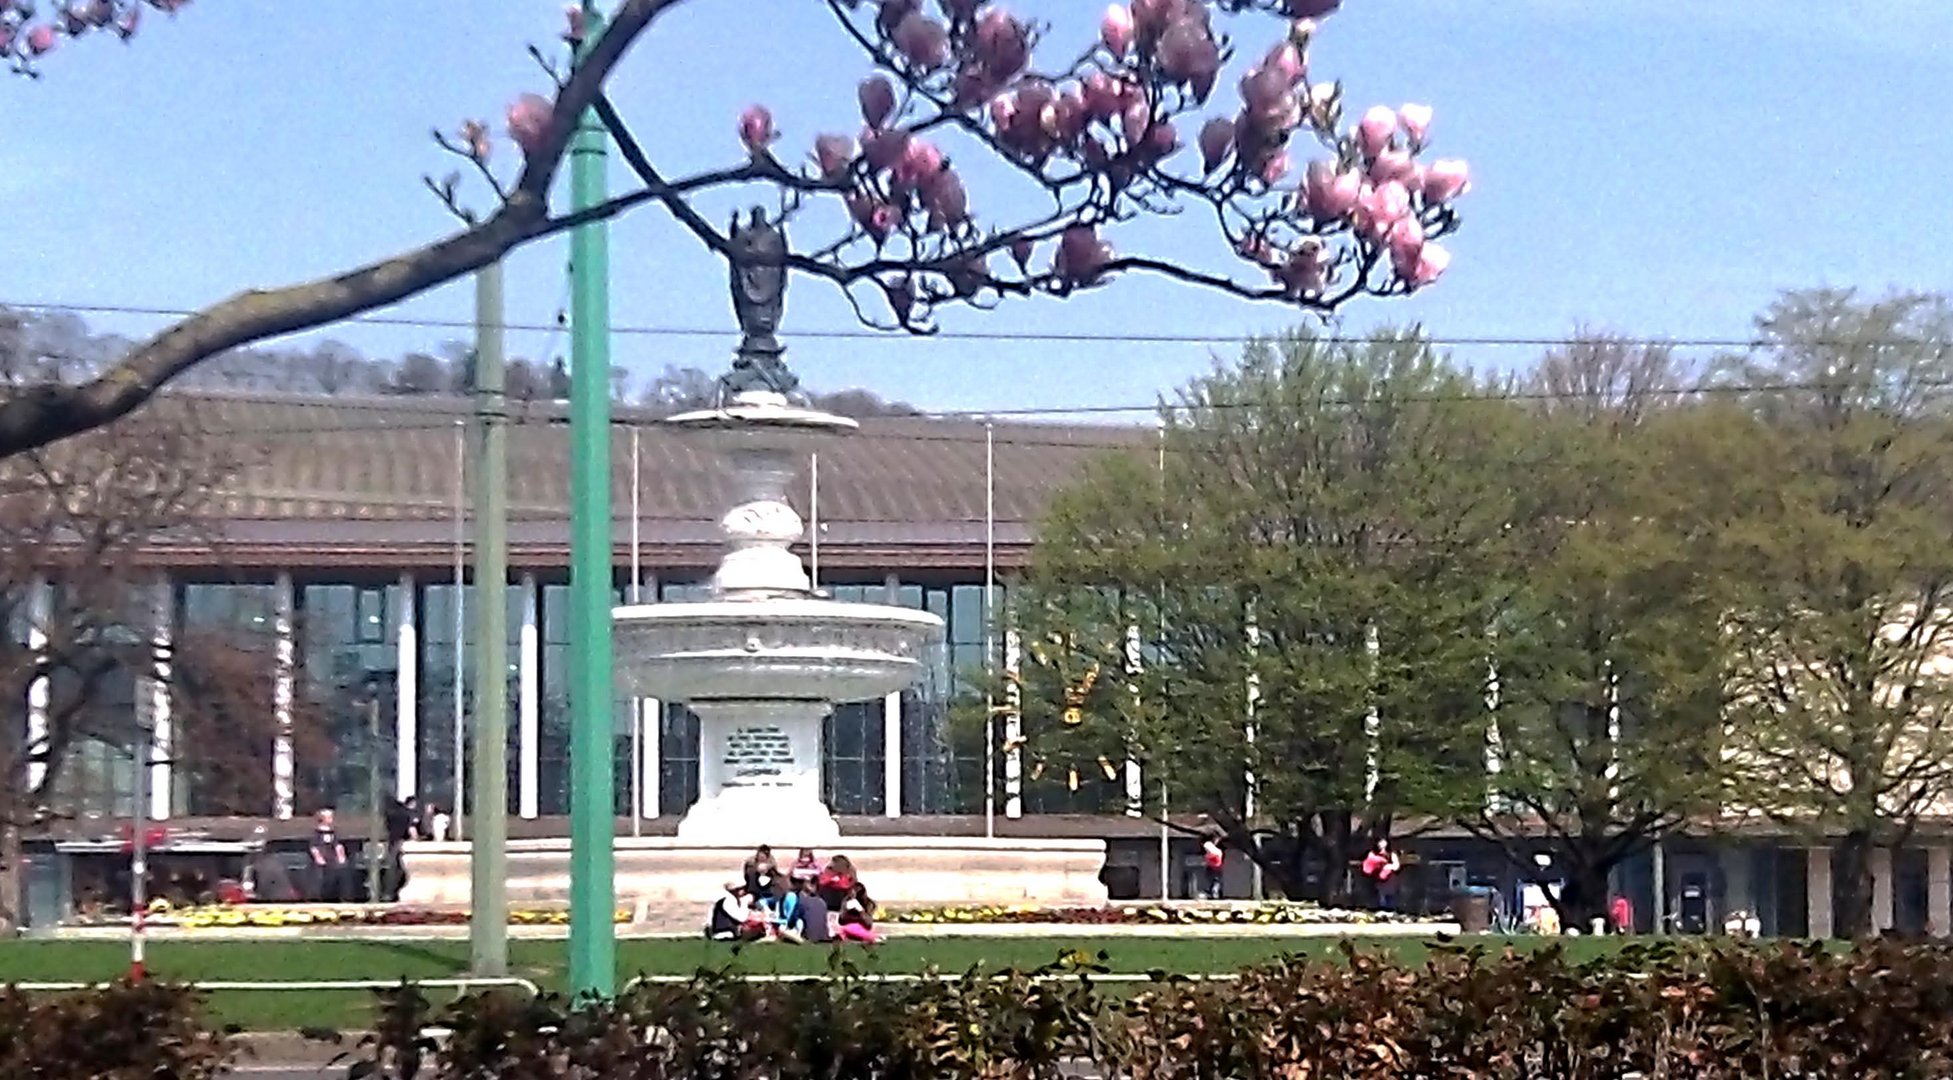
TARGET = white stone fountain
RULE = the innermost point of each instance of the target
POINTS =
(762, 663)
(764, 660)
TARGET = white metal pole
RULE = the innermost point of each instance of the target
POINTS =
(1166, 847)
(990, 625)
(139, 857)
(637, 597)
(814, 520)
(460, 626)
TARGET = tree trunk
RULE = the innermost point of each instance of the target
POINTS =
(13, 885)
(1584, 895)
(1852, 883)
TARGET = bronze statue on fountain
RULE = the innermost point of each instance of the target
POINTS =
(759, 295)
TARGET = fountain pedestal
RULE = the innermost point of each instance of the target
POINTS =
(759, 774)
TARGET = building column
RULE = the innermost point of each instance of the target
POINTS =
(161, 726)
(1738, 894)
(40, 609)
(528, 709)
(1013, 724)
(1881, 889)
(892, 728)
(651, 728)
(284, 762)
(1939, 891)
(1135, 780)
(1817, 892)
(406, 713)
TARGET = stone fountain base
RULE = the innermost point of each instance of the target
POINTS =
(667, 872)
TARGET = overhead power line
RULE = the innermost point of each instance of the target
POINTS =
(865, 334)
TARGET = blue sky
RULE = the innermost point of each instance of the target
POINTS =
(1654, 169)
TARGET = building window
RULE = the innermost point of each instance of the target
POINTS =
(348, 667)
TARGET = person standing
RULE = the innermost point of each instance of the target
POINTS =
(1381, 867)
(1215, 860)
(328, 860)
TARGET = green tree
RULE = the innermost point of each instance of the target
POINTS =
(1608, 672)
(1311, 526)
(1844, 720)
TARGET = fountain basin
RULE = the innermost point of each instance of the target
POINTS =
(777, 649)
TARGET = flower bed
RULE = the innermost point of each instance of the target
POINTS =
(281, 917)
(1150, 914)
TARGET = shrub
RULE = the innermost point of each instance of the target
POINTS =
(1705, 1012)
(122, 1032)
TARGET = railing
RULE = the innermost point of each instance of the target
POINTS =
(911, 977)
(458, 984)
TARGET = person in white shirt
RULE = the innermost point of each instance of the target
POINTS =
(732, 917)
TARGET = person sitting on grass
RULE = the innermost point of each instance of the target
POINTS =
(806, 868)
(857, 918)
(732, 917)
(760, 871)
(838, 881)
(810, 923)
(782, 910)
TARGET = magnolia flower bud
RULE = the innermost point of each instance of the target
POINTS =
(474, 134)
(575, 24)
(1380, 207)
(923, 41)
(948, 202)
(1081, 254)
(1393, 165)
(1373, 132)
(756, 129)
(877, 97)
(1446, 179)
(1116, 30)
(1216, 140)
(1003, 45)
(1285, 60)
(41, 40)
(529, 122)
(1103, 98)
(832, 154)
(1431, 263)
(1021, 249)
(1417, 122)
(1276, 167)
(1330, 193)
(1406, 241)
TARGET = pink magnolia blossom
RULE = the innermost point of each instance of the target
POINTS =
(948, 202)
(1329, 192)
(1189, 54)
(1135, 121)
(1285, 60)
(920, 163)
(1103, 97)
(1446, 179)
(1275, 168)
(1003, 45)
(1003, 111)
(1393, 165)
(1380, 207)
(833, 153)
(1406, 242)
(1432, 260)
(875, 217)
(131, 19)
(1021, 250)
(1081, 254)
(41, 40)
(884, 149)
(923, 41)
(575, 25)
(1216, 140)
(877, 96)
(1373, 132)
(1064, 119)
(1163, 139)
(1304, 270)
(1116, 30)
(756, 128)
(1417, 122)
(529, 121)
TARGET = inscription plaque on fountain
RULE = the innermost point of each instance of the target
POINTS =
(759, 757)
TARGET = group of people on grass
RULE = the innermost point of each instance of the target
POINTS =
(806, 903)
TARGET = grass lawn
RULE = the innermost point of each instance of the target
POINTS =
(543, 963)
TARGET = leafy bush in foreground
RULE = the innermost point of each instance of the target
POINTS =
(1706, 1013)
(123, 1032)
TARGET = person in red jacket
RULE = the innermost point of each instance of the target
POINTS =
(1381, 866)
(837, 882)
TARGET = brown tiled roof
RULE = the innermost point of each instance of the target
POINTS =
(372, 481)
